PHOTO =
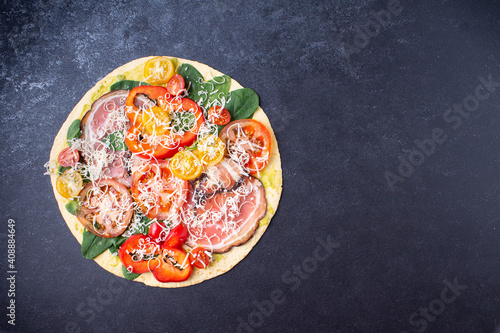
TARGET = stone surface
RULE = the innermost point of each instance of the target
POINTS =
(347, 107)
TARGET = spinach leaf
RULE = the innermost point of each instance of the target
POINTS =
(115, 141)
(117, 243)
(128, 275)
(62, 169)
(214, 90)
(127, 84)
(183, 121)
(93, 245)
(72, 206)
(242, 103)
(73, 131)
(193, 79)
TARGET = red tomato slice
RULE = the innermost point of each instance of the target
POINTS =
(157, 191)
(68, 157)
(176, 85)
(199, 258)
(174, 266)
(176, 237)
(218, 115)
(138, 254)
(248, 142)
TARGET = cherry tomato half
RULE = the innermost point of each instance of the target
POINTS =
(69, 183)
(158, 70)
(218, 115)
(68, 157)
(210, 149)
(186, 165)
(199, 258)
(176, 85)
(174, 266)
(158, 231)
(176, 237)
(248, 142)
(139, 254)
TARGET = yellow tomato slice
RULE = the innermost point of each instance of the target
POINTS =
(69, 184)
(155, 121)
(211, 149)
(158, 70)
(185, 165)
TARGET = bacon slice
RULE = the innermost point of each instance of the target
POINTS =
(228, 218)
(224, 175)
(107, 115)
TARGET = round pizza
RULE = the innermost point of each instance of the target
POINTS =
(167, 172)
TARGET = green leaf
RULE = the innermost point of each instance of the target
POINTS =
(117, 243)
(193, 79)
(73, 131)
(116, 141)
(72, 206)
(62, 169)
(127, 84)
(127, 275)
(183, 121)
(93, 245)
(242, 103)
(214, 90)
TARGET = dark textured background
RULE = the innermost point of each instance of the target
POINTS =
(341, 122)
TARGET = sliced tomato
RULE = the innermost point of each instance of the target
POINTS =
(210, 149)
(248, 142)
(69, 183)
(158, 93)
(157, 191)
(218, 115)
(177, 237)
(199, 258)
(105, 208)
(186, 165)
(68, 157)
(174, 266)
(158, 231)
(139, 254)
(176, 85)
(158, 70)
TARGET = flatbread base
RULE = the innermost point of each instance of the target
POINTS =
(271, 177)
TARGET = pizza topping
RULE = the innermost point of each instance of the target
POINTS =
(210, 149)
(139, 254)
(222, 176)
(186, 165)
(248, 142)
(69, 183)
(200, 258)
(176, 85)
(159, 70)
(227, 219)
(174, 266)
(158, 193)
(68, 157)
(218, 115)
(105, 208)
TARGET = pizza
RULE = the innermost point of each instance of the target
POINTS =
(167, 172)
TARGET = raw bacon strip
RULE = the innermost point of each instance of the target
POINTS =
(228, 219)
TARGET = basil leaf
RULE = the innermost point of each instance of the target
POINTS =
(93, 245)
(73, 131)
(193, 79)
(127, 84)
(127, 275)
(242, 103)
(115, 141)
(72, 207)
(214, 90)
(183, 121)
